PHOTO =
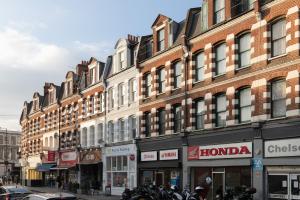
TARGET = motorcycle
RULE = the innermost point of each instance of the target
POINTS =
(243, 194)
(174, 193)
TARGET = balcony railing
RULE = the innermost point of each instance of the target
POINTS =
(238, 7)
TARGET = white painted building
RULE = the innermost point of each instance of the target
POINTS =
(120, 154)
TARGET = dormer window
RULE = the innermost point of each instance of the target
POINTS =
(219, 11)
(68, 89)
(51, 97)
(92, 75)
(122, 60)
(160, 40)
(35, 105)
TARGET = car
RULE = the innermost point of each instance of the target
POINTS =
(13, 192)
(51, 196)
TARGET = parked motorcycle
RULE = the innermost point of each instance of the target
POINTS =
(243, 194)
(174, 193)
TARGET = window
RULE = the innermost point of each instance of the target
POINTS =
(111, 131)
(68, 88)
(161, 121)
(122, 60)
(220, 110)
(100, 133)
(219, 11)
(110, 98)
(46, 142)
(200, 112)
(84, 137)
(147, 124)
(132, 127)
(121, 93)
(279, 38)
(199, 58)
(117, 171)
(92, 104)
(278, 98)
(148, 47)
(148, 85)
(177, 74)
(121, 130)
(220, 59)
(240, 6)
(244, 50)
(101, 104)
(51, 96)
(245, 105)
(177, 118)
(160, 40)
(161, 80)
(51, 142)
(92, 76)
(92, 136)
(132, 90)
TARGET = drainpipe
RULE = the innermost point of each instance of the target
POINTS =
(185, 49)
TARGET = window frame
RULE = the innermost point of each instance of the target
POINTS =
(160, 40)
(199, 115)
(220, 112)
(244, 106)
(132, 90)
(177, 121)
(147, 118)
(276, 81)
(283, 38)
(221, 10)
(240, 53)
(199, 67)
(148, 84)
(177, 78)
(161, 80)
(121, 127)
(161, 122)
(121, 94)
(218, 60)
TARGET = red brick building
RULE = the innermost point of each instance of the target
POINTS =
(225, 77)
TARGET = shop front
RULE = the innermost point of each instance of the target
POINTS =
(119, 163)
(32, 176)
(47, 168)
(90, 166)
(160, 168)
(67, 167)
(227, 165)
(282, 162)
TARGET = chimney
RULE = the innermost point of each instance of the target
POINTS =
(81, 68)
(132, 38)
(46, 87)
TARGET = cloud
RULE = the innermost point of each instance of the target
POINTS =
(97, 49)
(23, 51)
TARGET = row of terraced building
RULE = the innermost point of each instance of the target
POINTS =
(215, 95)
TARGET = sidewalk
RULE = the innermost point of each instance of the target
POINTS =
(80, 196)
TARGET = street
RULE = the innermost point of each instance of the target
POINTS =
(79, 196)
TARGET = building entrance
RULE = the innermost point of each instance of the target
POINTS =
(285, 186)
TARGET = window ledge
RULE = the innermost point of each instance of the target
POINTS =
(160, 93)
(196, 82)
(277, 118)
(242, 68)
(174, 89)
(279, 56)
(219, 75)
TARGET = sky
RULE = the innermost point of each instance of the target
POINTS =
(40, 40)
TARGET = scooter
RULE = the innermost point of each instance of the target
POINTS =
(174, 194)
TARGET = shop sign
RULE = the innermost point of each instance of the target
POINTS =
(282, 148)
(119, 150)
(235, 150)
(51, 156)
(68, 158)
(149, 156)
(257, 164)
(168, 154)
(90, 157)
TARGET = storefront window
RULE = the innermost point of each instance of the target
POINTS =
(278, 184)
(118, 174)
(147, 177)
(120, 179)
(224, 180)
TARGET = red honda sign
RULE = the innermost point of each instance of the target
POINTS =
(235, 150)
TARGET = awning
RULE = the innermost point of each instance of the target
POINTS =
(62, 167)
(45, 167)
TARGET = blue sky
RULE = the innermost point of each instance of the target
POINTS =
(40, 40)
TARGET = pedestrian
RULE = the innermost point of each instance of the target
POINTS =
(59, 183)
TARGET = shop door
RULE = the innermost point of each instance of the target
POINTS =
(218, 184)
(284, 186)
(159, 178)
